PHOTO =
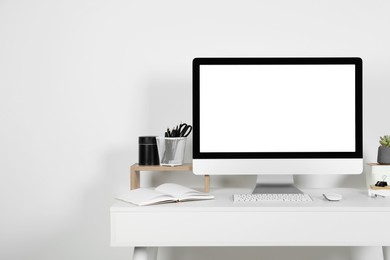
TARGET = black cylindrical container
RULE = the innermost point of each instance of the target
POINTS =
(147, 152)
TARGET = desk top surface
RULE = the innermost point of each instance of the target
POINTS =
(353, 200)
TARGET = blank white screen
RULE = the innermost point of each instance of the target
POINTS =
(277, 108)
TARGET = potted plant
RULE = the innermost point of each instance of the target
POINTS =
(384, 150)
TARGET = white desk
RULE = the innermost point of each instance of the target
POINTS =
(353, 221)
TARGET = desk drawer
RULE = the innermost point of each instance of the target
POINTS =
(235, 228)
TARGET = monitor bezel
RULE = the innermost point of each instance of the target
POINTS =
(358, 153)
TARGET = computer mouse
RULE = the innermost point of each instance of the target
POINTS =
(332, 196)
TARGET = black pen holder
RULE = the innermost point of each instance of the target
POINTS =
(147, 151)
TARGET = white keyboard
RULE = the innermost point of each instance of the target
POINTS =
(260, 197)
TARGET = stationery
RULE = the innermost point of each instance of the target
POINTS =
(165, 193)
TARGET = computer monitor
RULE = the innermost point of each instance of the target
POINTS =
(277, 117)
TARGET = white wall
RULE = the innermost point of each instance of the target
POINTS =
(81, 80)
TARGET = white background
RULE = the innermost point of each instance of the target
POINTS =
(277, 108)
(81, 80)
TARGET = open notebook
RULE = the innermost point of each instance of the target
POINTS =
(165, 193)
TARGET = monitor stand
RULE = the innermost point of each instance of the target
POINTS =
(273, 184)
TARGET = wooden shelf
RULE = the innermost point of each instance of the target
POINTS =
(373, 187)
(135, 177)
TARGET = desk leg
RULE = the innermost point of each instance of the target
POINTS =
(386, 252)
(367, 252)
(145, 253)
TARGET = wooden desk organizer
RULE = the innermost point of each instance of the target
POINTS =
(135, 177)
